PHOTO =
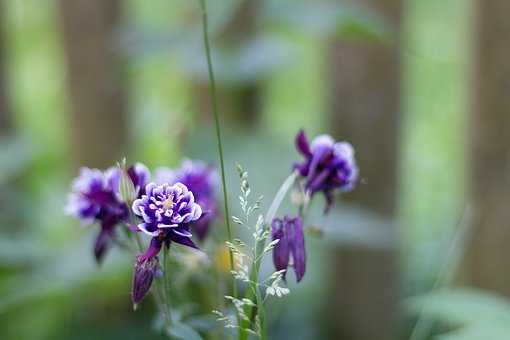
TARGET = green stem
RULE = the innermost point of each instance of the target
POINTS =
(214, 103)
(166, 288)
(259, 247)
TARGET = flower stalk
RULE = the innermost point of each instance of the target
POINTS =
(259, 246)
(166, 289)
(214, 102)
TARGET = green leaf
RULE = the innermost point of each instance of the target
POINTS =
(183, 331)
(462, 306)
(280, 195)
(203, 322)
(482, 331)
(473, 314)
(327, 20)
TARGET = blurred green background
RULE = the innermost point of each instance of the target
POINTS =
(50, 287)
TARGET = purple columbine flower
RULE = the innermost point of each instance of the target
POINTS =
(94, 198)
(202, 179)
(291, 245)
(328, 165)
(166, 211)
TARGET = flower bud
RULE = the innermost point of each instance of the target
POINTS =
(145, 271)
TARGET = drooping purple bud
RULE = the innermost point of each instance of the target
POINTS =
(281, 252)
(144, 272)
(297, 247)
(328, 165)
(291, 245)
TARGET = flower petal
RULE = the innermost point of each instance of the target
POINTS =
(297, 247)
(302, 144)
(281, 251)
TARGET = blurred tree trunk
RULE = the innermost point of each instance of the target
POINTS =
(365, 111)
(97, 97)
(488, 257)
(5, 108)
(240, 103)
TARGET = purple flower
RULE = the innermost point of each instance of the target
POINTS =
(291, 245)
(202, 179)
(166, 211)
(139, 175)
(95, 198)
(328, 165)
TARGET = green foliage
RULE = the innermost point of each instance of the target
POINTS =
(183, 331)
(327, 20)
(471, 314)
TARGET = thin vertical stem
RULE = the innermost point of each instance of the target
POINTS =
(166, 287)
(214, 103)
(259, 246)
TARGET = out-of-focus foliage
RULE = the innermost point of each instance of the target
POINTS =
(435, 103)
(327, 19)
(471, 314)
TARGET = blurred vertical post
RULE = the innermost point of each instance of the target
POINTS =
(240, 102)
(97, 97)
(488, 257)
(365, 111)
(5, 109)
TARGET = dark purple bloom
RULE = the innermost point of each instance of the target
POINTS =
(95, 198)
(328, 165)
(291, 245)
(166, 211)
(202, 180)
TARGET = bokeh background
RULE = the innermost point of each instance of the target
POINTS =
(421, 89)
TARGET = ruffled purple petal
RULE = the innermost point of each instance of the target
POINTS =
(166, 210)
(328, 167)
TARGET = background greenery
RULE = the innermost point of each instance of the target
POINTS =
(51, 288)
